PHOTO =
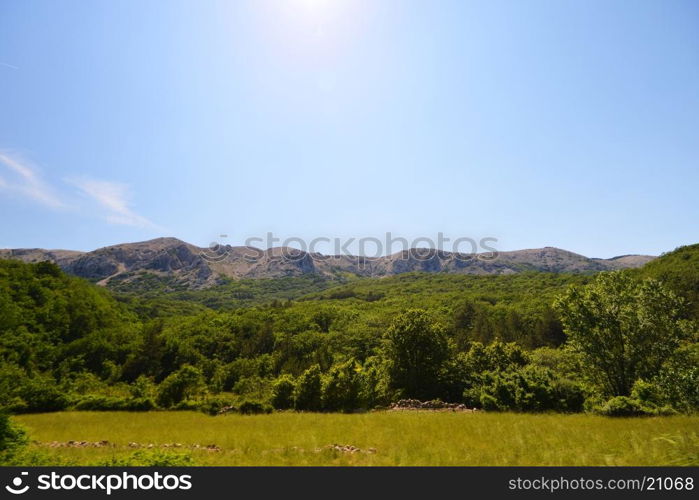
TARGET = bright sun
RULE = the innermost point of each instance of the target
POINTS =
(317, 6)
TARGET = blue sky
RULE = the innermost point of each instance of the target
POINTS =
(562, 123)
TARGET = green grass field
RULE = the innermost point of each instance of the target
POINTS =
(383, 438)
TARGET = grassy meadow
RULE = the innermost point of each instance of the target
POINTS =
(382, 438)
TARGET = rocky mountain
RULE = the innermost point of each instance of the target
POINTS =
(189, 266)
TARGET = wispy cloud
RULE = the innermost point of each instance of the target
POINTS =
(22, 178)
(26, 180)
(7, 65)
(113, 198)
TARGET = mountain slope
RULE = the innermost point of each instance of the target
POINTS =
(679, 270)
(181, 265)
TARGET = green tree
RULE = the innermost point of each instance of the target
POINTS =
(623, 329)
(341, 387)
(307, 396)
(417, 349)
(548, 330)
(184, 384)
(678, 380)
(373, 381)
(283, 392)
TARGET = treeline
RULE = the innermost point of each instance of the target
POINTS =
(527, 342)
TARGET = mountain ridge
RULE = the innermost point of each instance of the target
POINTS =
(196, 267)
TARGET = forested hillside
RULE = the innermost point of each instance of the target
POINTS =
(509, 342)
(679, 271)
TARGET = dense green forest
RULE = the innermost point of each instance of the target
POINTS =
(622, 343)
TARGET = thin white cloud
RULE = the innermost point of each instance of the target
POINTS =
(25, 180)
(113, 197)
(22, 178)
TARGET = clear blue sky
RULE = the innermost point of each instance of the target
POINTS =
(563, 123)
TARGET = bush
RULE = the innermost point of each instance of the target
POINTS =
(187, 405)
(253, 388)
(143, 388)
(12, 439)
(213, 406)
(109, 403)
(283, 392)
(40, 395)
(562, 361)
(531, 388)
(140, 404)
(254, 408)
(99, 403)
(623, 406)
(570, 395)
(646, 392)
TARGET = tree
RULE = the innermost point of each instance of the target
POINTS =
(146, 357)
(417, 348)
(623, 329)
(341, 387)
(283, 392)
(548, 330)
(185, 383)
(462, 322)
(308, 390)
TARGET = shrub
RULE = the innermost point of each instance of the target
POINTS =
(562, 361)
(143, 388)
(531, 388)
(41, 395)
(254, 388)
(12, 439)
(140, 404)
(646, 392)
(570, 395)
(213, 406)
(254, 408)
(96, 402)
(283, 392)
(623, 406)
(187, 405)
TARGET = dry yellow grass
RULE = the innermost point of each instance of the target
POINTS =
(398, 438)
